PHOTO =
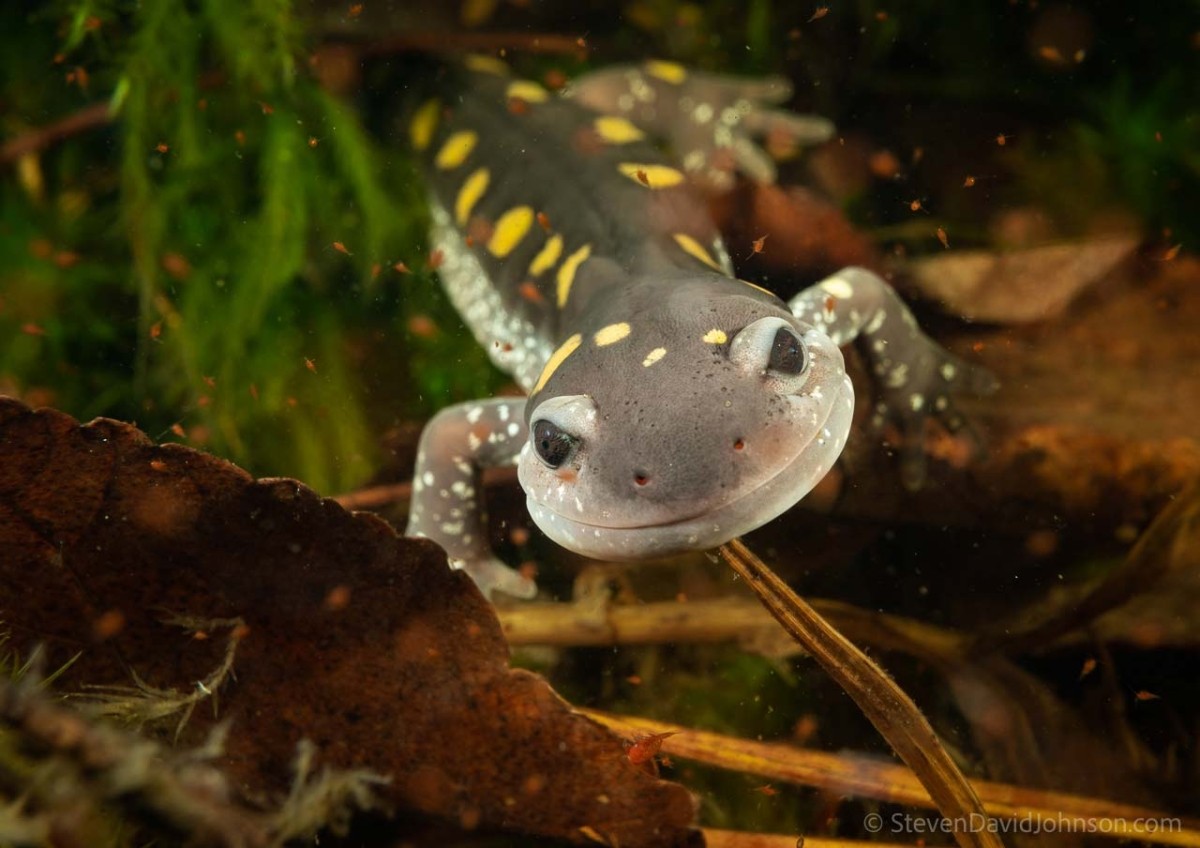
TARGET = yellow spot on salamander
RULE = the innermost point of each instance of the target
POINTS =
(424, 124)
(653, 356)
(556, 359)
(566, 272)
(510, 229)
(456, 150)
(528, 91)
(486, 64)
(716, 337)
(671, 72)
(611, 334)
(651, 176)
(617, 130)
(546, 257)
(472, 189)
(693, 248)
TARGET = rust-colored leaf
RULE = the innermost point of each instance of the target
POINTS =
(339, 631)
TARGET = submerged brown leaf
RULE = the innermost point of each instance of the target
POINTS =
(406, 675)
(1020, 286)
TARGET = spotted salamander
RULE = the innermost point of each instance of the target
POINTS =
(671, 406)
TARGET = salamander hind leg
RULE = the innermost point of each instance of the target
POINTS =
(456, 445)
(713, 122)
(916, 378)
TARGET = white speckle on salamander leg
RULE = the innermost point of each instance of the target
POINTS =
(898, 376)
(876, 322)
(840, 289)
(948, 371)
(917, 401)
(473, 414)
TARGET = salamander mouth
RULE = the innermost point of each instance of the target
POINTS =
(711, 527)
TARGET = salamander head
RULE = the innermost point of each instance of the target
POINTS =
(679, 430)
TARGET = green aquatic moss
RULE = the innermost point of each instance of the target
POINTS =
(218, 262)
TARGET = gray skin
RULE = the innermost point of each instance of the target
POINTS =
(701, 446)
(651, 361)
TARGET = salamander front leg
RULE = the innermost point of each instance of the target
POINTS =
(712, 121)
(456, 445)
(916, 378)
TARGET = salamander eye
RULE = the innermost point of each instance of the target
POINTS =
(553, 444)
(787, 353)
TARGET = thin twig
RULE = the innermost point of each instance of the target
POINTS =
(89, 117)
(740, 620)
(887, 706)
(868, 777)
(715, 838)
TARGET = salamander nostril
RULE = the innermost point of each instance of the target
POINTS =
(640, 478)
(739, 444)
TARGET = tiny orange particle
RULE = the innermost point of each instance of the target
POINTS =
(162, 147)
(156, 330)
(400, 268)
(943, 238)
(313, 141)
(176, 265)
(644, 746)
(355, 10)
(178, 430)
(821, 12)
(969, 181)
(267, 108)
(543, 221)
(310, 364)
(1089, 665)
(1143, 695)
(337, 599)
(1051, 54)
(158, 465)
(435, 259)
(529, 292)
(341, 248)
(422, 326)
(767, 789)
(108, 625)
